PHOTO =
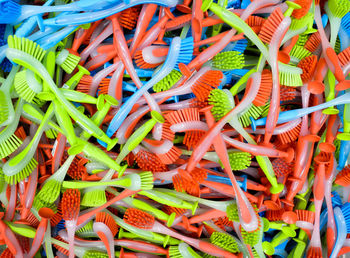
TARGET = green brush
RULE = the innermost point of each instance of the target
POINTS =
(298, 53)
(182, 250)
(67, 61)
(289, 75)
(20, 166)
(253, 111)
(87, 231)
(168, 81)
(232, 212)
(27, 85)
(239, 160)
(221, 103)
(9, 142)
(130, 181)
(38, 204)
(228, 60)
(225, 241)
(6, 108)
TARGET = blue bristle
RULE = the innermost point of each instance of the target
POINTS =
(336, 199)
(2, 31)
(58, 227)
(6, 65)
(345, 23)
(10, 11)
(346, 213)
(186, 52)
(234, 4)
(245, 3)
(241, 45)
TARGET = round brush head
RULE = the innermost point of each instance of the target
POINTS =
(108, 220)
(138, 218)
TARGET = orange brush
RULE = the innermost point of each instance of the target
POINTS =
(305, 6)
(308, 65)
(344, 57)
(281, 167)
(288, 93)
(265, 88)
(165, 150)
(314, 42)
(270, 25)
(289, 136)
(148, 161)
(128, 17)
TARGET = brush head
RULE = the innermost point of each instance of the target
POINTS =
(206, 83)
(146, 180)
(95, 254)
(308, 65)
(306, 215)
(313, 42)
(10, 11)
(343, 178)
(27, 85)
(27, 46)
(128, 17)
(182, 116)
(232, 212)
(138, 218)
(9, 145)
(84, 84)
(290, 75)
(87, 230)
(339, 8)
(25, 172)
(169, 157)
(281, 167)
(270, 25)
(221, 103)
(314, 252)
(186, 52)
(174, 252)
(183, 184)
(298, 53)
(148, 161)
(192, 138)
(228, 60)
(70, 204)
(224, 241)
(108, 220)
(239, 160)
(251, 238)
(344, 57)
(94, 197)
(50, 191)
(304, 10)
(253, 112)
(67, 61)
(168, 81)
(265, 89)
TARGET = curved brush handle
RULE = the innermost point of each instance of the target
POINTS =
(341, 231)
(106, 236)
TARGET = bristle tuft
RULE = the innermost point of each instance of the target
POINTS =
(138, 218)
(70, 204)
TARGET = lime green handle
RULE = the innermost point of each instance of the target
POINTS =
(77, 96)
(65, 122)
(123, 181)
(21, 229)
(75, 79)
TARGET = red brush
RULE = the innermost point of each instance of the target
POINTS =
(104, 85)
(192, 138)
(143, 220)
(305, 6)
(343, 178)
(308, 65)
(106, 228)
(148, 161)
(270, 25)
(128, 17)
(314, 42)
(289, 136)
(344, 57)
(70, 209)
(281, 167)
(265, 88)
(274, 215)
(287, 93)
(84, 84)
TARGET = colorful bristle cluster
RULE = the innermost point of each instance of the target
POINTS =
(177, 128)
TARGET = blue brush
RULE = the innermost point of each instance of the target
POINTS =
(290, 115)
(227, 181)
(336, 199)
(342, 219)
(345, 23)
(234, 4)
(180, 51)
(343, 154)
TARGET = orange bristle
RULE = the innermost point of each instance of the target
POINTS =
(110, 196)
(305, 6)
(167, 134)
(138, 218)
(192, 138)
(128, 17)
(308, 65)
(182, 116)
(141, 63)
(6, 254)
(314, 252)
(253, 21)
(57, 217)
(344, 57)
(103, 86)
(25, 244)
(313, 42)
(172, 155)
(170, 209)
(148, 161)
(70, 204)
(287, 93)
(281, 167)
(84, 84)
(182, 184)
(305, 215)
(207, 82)
(290, 135)
(274, 215)
(199, 174)
(20, 133)
(196, 103)
(343, 178)
(77, 169)
(221, 222)
(108, 220)
(265, 88)
(270, 25)
(59, 248)
(32, 220)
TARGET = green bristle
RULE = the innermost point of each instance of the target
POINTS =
(289, 75)
(266, 109)
(228, 60)
(9, 145)
(26, 89)
(51, 134)
(221, 103)
(255, 253)
(95, 254)
(4, 111)
(253, 112)
(26, 45)
(146, 180)
(26, 171)
(67, 61)
(168, 81)
(239, 160)
(232, 212)
(339, 8)
(174, 252)
(297, 24)
(38, 204)
(50, 191)
(337, 46)
(250, 238)
(94, 197)
(2, 180)
(302, 39)
(337, 148)
(225, 241)
(298, 53)
(86, 231)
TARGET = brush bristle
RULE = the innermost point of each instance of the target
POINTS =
(228, 60)
(169, 157)
(225, 241)
(274, 215)
(87, 230)
(141, 63)
(23, 88)
(270, 25)
(103, 86)
(298, 53)
(305, 215)
(27, 46)
(239, 160)
(313, 42)
(289, 136)
(344, 57)
(168, 81)
(206, 83)
(343, 178)
(314, 252)
(253, 112)
(70, 204)
(186, 52)
(265, 89)
(232, 212)
(67, 61)
(174, 252)
(38, 204)
(84, 84)
(183, 115)
(146, 180)
(281, 167)
(108, 220)
(94, 197)
(339, 8)
(305, 6)
(25, 172)
(128, 17)
(95, 254)
(308, 65)
(290, 75)
(138, 218)
(221, 103)
(182, 184)
(170, 209)
(192, 138)
(9, 145)
(10, 11)
(149, 162)
(50, 191)
(251, 238)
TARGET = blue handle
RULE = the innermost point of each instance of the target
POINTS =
(343, 154)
